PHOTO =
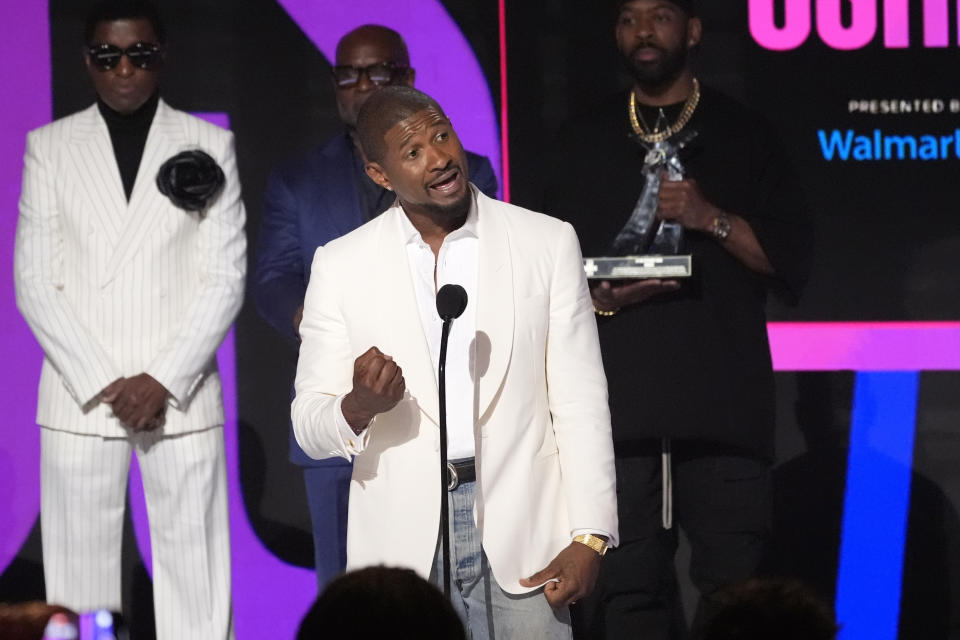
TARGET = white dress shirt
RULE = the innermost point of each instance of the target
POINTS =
(455, 264)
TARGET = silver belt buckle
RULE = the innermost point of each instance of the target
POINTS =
(454, 479)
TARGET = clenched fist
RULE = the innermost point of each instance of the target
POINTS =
(378, 386)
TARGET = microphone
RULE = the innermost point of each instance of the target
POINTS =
(451, 301)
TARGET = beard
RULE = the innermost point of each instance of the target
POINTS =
(660, 73)
(454, 210)
(438, 212)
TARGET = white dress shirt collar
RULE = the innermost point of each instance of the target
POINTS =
(468, 229)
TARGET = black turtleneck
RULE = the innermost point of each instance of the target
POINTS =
(128, 133)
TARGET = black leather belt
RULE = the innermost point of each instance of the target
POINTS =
(460, 472)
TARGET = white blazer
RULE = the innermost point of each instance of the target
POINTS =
(112, 288)
(542, 423)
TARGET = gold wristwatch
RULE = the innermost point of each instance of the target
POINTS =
(596, 543)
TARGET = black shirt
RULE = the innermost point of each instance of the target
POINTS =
(128, 133)
(693, 364)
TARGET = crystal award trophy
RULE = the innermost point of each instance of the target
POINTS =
(647, 247)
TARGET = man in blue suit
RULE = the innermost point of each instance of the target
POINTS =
(309, 201)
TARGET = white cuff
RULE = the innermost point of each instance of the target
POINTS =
(353, 444)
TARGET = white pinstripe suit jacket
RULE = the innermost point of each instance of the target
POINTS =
(112, 288)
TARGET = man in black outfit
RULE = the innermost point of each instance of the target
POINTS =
(688, 362)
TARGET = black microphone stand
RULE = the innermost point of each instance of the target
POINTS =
(451, 301)
(444, 482)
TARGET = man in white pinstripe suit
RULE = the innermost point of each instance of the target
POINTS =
(129, 296)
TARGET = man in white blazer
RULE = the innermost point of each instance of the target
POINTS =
(526, 394)
(129, 295)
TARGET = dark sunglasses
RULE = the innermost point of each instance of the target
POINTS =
(145, 55)
(379, 74)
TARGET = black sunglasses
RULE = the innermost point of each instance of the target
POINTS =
(379, 74)
(145, 55)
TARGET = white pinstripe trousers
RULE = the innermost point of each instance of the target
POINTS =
(83, 489)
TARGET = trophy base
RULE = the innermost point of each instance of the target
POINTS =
(638, 267)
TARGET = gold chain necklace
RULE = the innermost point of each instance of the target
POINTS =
(659, 136)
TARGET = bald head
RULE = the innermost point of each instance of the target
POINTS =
(374, 35)
(358, 54)
(383, 110)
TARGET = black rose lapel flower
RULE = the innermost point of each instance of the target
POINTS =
(191, 179)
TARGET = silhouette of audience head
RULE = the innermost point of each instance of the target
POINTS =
(381, 602)
(28, 620)
(760, 609)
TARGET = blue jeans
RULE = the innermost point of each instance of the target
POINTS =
(488, 612)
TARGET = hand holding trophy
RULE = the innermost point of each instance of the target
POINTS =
(647, 247)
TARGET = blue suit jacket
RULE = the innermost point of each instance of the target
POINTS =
(309, 201)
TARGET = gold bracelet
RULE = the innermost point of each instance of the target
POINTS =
(605, 314)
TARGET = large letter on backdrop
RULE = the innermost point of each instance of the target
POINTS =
(795, 30)
(446, 66)
(27, 104)
(896, 23)
(863, 23)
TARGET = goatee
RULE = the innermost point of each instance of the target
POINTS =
(454, 210)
